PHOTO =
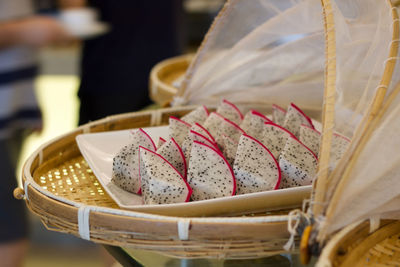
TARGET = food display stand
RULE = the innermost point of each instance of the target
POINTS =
(60, 187)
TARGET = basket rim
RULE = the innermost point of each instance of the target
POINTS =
(82, 213)
(341, 240)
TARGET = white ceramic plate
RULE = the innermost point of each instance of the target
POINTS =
(98, 149)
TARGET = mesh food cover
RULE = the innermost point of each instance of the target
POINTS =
(335, 57)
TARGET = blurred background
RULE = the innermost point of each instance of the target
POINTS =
(56, 88)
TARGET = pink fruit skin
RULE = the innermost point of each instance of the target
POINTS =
(311, 128)
(184, 122)
(305, 116)
(315, 156)
(278, 183)
(280, 127)
(226, 162)
(148, 136)
(235, 125)
(342, 136)
(206, 110)
(259, 114)
(204, 129)
(279, 107)
(234, 106)
(182, 155)
(186, 183)
(205, 138)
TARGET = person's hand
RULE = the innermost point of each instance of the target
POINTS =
(41, 31)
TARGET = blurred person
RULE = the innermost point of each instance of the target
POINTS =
(115, 67)
(21, 34)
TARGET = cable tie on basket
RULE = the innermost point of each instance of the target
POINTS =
(26, 184)
(83, 222)
(40, 157)
(183, 229)
(178, 101)
(374, 223)
(155, 118)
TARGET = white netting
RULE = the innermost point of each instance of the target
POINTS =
(374, 187)
(274, 52)
(261, 51)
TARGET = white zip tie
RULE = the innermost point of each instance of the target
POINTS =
(183, 229)
(27, 183)
(153, 119)
(374, 223)
(83, 222)
(40, 157)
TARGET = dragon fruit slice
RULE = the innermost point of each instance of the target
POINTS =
(178, 129)
(213, 123)
(228, 128)
(172, 152)
(195, 136)
(310, 138)
(294, 118)
(255, 168)
(161, 141)
(230, 111)
(198, 115)
(298, 164)
(125, 172)
(339, 146)
(201, 130)
(229, 148)
(161, 182)
(274, 138)
(253, 123)
(278, 114)
(209, 175)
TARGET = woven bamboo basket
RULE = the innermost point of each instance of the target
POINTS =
(162, 78)
(60, 187)
(356, 246)
(62, 190)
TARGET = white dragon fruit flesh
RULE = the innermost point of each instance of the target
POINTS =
(195, 136)
(340, 144)
(228, 128)
(255, 168)
(278, 114)
(229, 148)
(209, 175)
(161, 182)
(198, 115)
(172, 152)
(294, 118)
(213, 123)
(310, 138)
(125, 171)
(230, 111)
(201, 130)
(298, 164)
(178, 129)
(161, 141)
(253, 123)
(274, 138)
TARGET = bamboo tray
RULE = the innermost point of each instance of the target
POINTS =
(163, 75)
(60, 187)
(355, 246)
